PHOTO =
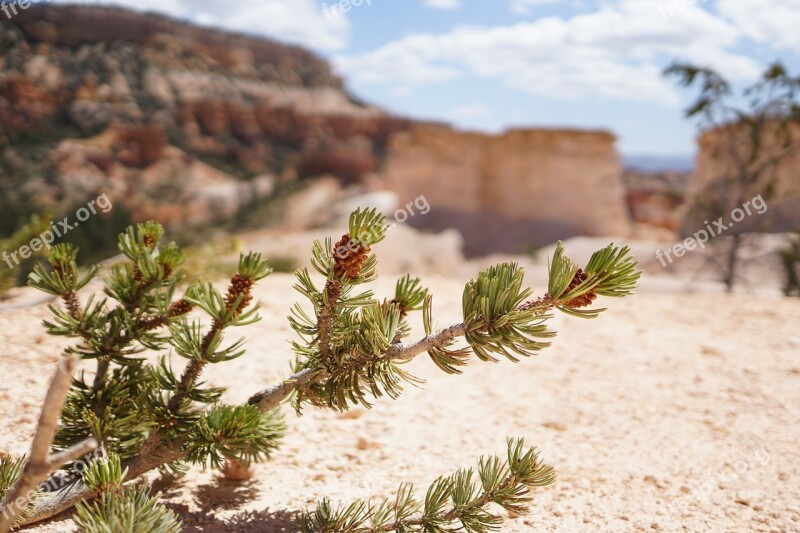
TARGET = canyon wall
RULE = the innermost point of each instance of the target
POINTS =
(171, 119)
(513, 191)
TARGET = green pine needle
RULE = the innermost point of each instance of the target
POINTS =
(493, 322)
(457, 502)
(368, 226)
(240, 432)
(131, 510)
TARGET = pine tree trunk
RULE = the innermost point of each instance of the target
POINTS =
(732, 263)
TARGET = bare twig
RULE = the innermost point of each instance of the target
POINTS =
(40, 463)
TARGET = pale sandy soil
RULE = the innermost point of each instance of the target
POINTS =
(670, 412)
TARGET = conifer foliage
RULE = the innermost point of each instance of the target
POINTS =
(350, 350)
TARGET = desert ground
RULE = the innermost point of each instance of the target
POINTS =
(670, 412)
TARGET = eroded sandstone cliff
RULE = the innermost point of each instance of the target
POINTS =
(507, 192)
(104, 98)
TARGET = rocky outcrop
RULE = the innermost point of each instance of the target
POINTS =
(129, 164)
(655, 199)
(520, 189)
(246, 106)
(74, 26)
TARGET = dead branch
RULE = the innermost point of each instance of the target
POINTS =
(40, 462)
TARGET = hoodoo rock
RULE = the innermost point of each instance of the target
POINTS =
(506, 192)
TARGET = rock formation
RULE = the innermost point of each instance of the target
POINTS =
(655, 200)
(520, 189)
(190, 124)
(138, 104)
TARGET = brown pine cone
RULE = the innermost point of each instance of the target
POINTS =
(583, 300)
(181, 307)
(239, 285)
(349, 257)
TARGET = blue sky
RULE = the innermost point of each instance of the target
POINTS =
(494, 64)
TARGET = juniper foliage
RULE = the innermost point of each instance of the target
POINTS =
(350, 350)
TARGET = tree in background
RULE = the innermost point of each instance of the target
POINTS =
(790, 258)
(140, 415)
(13, 267)
(754, 132)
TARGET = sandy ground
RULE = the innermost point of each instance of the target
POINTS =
(670, 412)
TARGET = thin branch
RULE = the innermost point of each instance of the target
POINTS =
(272, 397)
(51, 504)
(333, 290)
(455, 513)
(40, 463)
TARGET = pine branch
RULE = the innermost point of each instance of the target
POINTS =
(120, 508)
(40, 462)
(159, 453)
(225, 313)
(504, 483)
(498, 314)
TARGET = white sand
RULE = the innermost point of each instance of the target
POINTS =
(670, 412)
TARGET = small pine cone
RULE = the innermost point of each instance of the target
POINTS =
(149, 241)
(349, 257)
(583, 300)
(239, 285)
(181, 307)
(167, 270)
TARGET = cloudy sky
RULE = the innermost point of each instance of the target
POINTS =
(494, 64)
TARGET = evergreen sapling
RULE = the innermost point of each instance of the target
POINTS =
(350, 350)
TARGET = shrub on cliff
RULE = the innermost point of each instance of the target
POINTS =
(350, 350)
(10, 251)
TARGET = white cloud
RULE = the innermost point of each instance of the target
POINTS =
(616, 52)
(523, 7)
(443, 4)
(775, 23)
(297, 21)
